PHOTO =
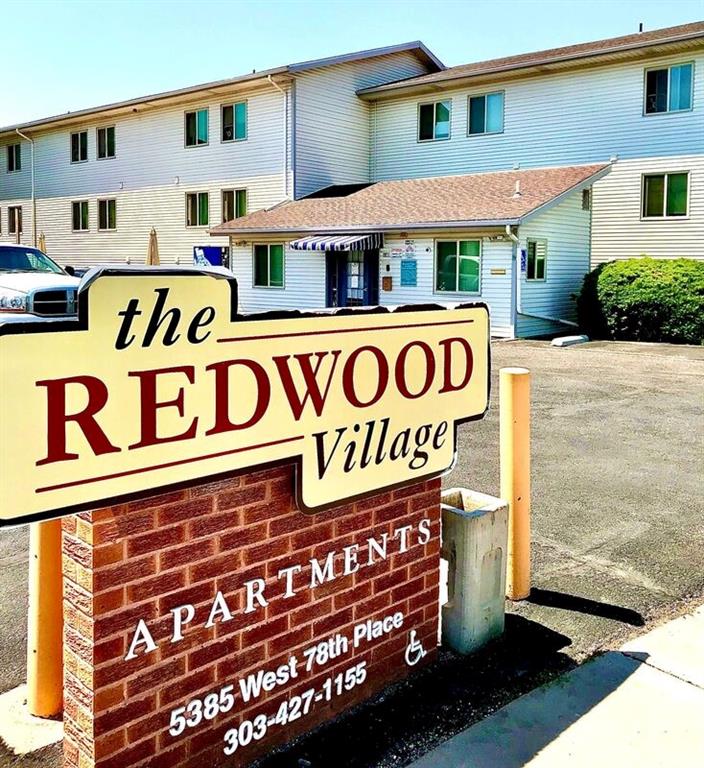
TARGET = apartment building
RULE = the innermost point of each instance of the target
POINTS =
(586, 153)
(638, 100)
(95, 182)
(502, 181)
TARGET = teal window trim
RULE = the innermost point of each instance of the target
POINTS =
(198, 125)
(664, 216)
(107, 213)
(456, 290)
(237, 200)
(434, 104)
(240, 121)
(80, 214)
(485, 96)
(105, 142)
(264, 281)
(669, 68)
(198, 198)
(81, 145)
(536, 259)
(14, 158)
(14, 219)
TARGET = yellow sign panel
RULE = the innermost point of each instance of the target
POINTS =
(160, 382)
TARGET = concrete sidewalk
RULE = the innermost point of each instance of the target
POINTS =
(642, 705)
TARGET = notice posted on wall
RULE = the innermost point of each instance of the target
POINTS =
(409, 273)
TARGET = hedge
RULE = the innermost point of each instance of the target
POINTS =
(644, 300)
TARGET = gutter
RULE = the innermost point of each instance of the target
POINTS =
(351, 230)
(34, 199)
(285, 95)
(516, 305)
(507, 68)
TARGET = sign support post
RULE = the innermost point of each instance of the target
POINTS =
(514, 397)
(45, 623)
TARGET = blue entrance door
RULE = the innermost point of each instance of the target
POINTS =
(352, 278)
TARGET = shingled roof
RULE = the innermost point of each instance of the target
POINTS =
(478, 199)
(682, 34)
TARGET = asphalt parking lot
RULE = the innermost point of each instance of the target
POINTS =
(618, 544)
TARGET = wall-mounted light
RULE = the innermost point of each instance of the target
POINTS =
(176, 179)
(122, 185)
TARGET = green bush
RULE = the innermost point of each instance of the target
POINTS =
(644, 300)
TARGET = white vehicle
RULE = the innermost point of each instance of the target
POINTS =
(32, 285)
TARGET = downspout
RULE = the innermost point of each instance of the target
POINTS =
(285, 95)
(34, 200)
(518, 307)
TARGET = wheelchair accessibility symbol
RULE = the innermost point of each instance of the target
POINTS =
(414, 650)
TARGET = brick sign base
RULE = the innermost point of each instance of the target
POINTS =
(268, 600)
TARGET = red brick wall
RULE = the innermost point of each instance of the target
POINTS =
(140, 560)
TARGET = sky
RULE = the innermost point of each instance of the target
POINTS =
(69, 55)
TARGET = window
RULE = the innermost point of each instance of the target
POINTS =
(269, 266)
(668, 89)
(535, 262)
(79, 147)
(486, 113)
(14, 158)
(665, 195)
(197, 204)
(197, 128)
(434, 121)
(79, 213)
(234, 121)
(457, 264)
(106, 142)
(14, 219)
(234, 204)
(107, 214)
(586, 199)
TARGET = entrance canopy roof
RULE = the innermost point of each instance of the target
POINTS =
(361, 242)
(474, 200)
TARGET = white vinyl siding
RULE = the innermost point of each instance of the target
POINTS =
(332, 144)
(495, 289)
(564, 230)
(149, 180)
(304, 279)
(162, 208)
(558, 119)
(619, 230)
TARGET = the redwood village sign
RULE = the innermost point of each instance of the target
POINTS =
(159, 382)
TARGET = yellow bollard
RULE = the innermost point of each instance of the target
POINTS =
(45, 668)
(514, 404)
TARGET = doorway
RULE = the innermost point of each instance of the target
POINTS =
(352, 278)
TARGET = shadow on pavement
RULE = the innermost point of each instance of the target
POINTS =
(551, 599)
(516, 734)
(413, 716)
